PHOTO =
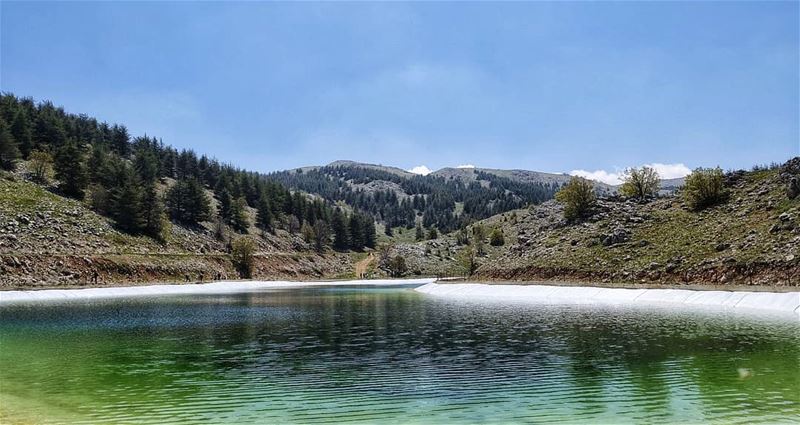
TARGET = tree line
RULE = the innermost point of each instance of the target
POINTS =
(145, 185)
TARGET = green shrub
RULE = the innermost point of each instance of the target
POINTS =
(704, 188)
(640, 183)
(41, 166)
(397, 266)
(497, 238)
(242, 255)
(578, 198)
(468, 260)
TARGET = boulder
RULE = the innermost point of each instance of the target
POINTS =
(618, 235)
(793, 188)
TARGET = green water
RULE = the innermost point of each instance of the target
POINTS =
(389, 355)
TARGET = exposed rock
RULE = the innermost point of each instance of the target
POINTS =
(722, 246)
(793, 188)
(617, 236)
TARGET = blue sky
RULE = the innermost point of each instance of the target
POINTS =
(544, 86)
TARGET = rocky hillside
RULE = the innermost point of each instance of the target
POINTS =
(469, 175)
(752, 239)
(50, 240)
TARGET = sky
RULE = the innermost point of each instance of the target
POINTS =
(583, 87)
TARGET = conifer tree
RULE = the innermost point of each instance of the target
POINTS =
(264, 213)
(126, 203)
(120, 140)
(155, 223)
(49, 130)
(21, 130)
(420, 234)
(70, 169)
(187, 202)
(370, 234)
(225, 206)
(322, 235)
(341, 238)
(356, 227)
(238, 215)
(9, 153)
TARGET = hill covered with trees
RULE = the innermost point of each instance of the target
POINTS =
(150, 194)
(400, 199)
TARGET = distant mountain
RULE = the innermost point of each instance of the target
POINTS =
(394, 170)
(522, 176)
(447, 198)
(398, 198)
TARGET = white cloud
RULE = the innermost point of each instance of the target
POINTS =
(598, 175)
(420, 169)
(465, 166)
(670, 171)
(665, 171)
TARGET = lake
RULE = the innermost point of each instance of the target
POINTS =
(389, 355)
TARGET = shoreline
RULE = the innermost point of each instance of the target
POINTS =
(779, 302)
(220, 287)
(566, 281)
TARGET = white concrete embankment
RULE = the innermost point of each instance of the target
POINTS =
(784, 302)
(205, 288)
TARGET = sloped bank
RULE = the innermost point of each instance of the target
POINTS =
(32, 271)
(223, 287)
(783, 302)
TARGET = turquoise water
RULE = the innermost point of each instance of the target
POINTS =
(389, 355)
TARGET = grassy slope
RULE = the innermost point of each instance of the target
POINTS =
(729, 243)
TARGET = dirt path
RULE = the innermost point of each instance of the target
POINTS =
(363, 265)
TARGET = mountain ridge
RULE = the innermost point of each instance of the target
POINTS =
(468, 174)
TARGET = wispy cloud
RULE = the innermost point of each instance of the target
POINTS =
(465, 166)
(665, 171)
(420, 169)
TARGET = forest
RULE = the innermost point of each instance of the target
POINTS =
(431, 197)
(145, 185)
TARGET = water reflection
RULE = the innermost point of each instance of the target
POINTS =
(389, 354)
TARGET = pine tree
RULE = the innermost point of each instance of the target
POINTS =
(341, 238)
(126, 203)
(264, 213)
(322, 235)
(21, 130)
(225, 206)
(98, 162)
(238, 219)
(420, 234)
(187, 202)
(120, 140)
(155, 223)
(70, 169)
(8, 147)
(146, 166)
(49, 130)
(370, 234)
(356, 227)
